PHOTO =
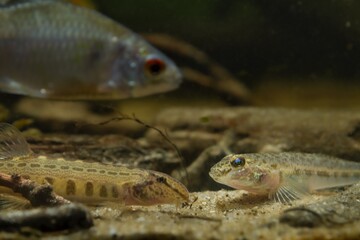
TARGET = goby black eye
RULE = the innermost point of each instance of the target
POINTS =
(238, 162)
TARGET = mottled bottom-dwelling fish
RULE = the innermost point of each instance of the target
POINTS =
(90, 183)
(53, 49)
(284, 176)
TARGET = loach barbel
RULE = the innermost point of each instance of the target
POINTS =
(53, 49)
(284, 176)
(89, 183)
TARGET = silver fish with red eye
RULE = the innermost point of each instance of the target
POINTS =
(52, 49)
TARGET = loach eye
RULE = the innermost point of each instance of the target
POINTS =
(154, 66)
(238, 162)
(161, 179)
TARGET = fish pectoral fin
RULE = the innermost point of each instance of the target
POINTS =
(12, 143)
(11, 202)
(292, 188)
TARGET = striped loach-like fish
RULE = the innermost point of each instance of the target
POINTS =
(53, 49)
(85, 182)
(284, 176)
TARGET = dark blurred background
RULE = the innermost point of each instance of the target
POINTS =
(287, 37)
(305, 49)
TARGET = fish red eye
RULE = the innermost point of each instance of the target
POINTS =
(154, 66)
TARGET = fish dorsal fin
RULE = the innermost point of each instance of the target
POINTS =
(291, 188)
(12, 142)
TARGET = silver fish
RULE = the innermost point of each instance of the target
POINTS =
(284, 176)
(53, 49)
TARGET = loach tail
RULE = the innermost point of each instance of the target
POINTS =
(12, 143)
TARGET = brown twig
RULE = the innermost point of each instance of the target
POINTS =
(162, 134)
(38, 195)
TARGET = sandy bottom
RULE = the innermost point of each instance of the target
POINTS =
(212, 215)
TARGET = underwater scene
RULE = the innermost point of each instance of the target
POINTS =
(178, 119)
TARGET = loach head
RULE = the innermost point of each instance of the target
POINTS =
(242, 172)
(156, 188)
(139, 69)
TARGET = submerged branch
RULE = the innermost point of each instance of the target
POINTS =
(38, 195)
(62, 214)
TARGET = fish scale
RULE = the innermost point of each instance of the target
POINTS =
(79, 177)
(306, 164)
